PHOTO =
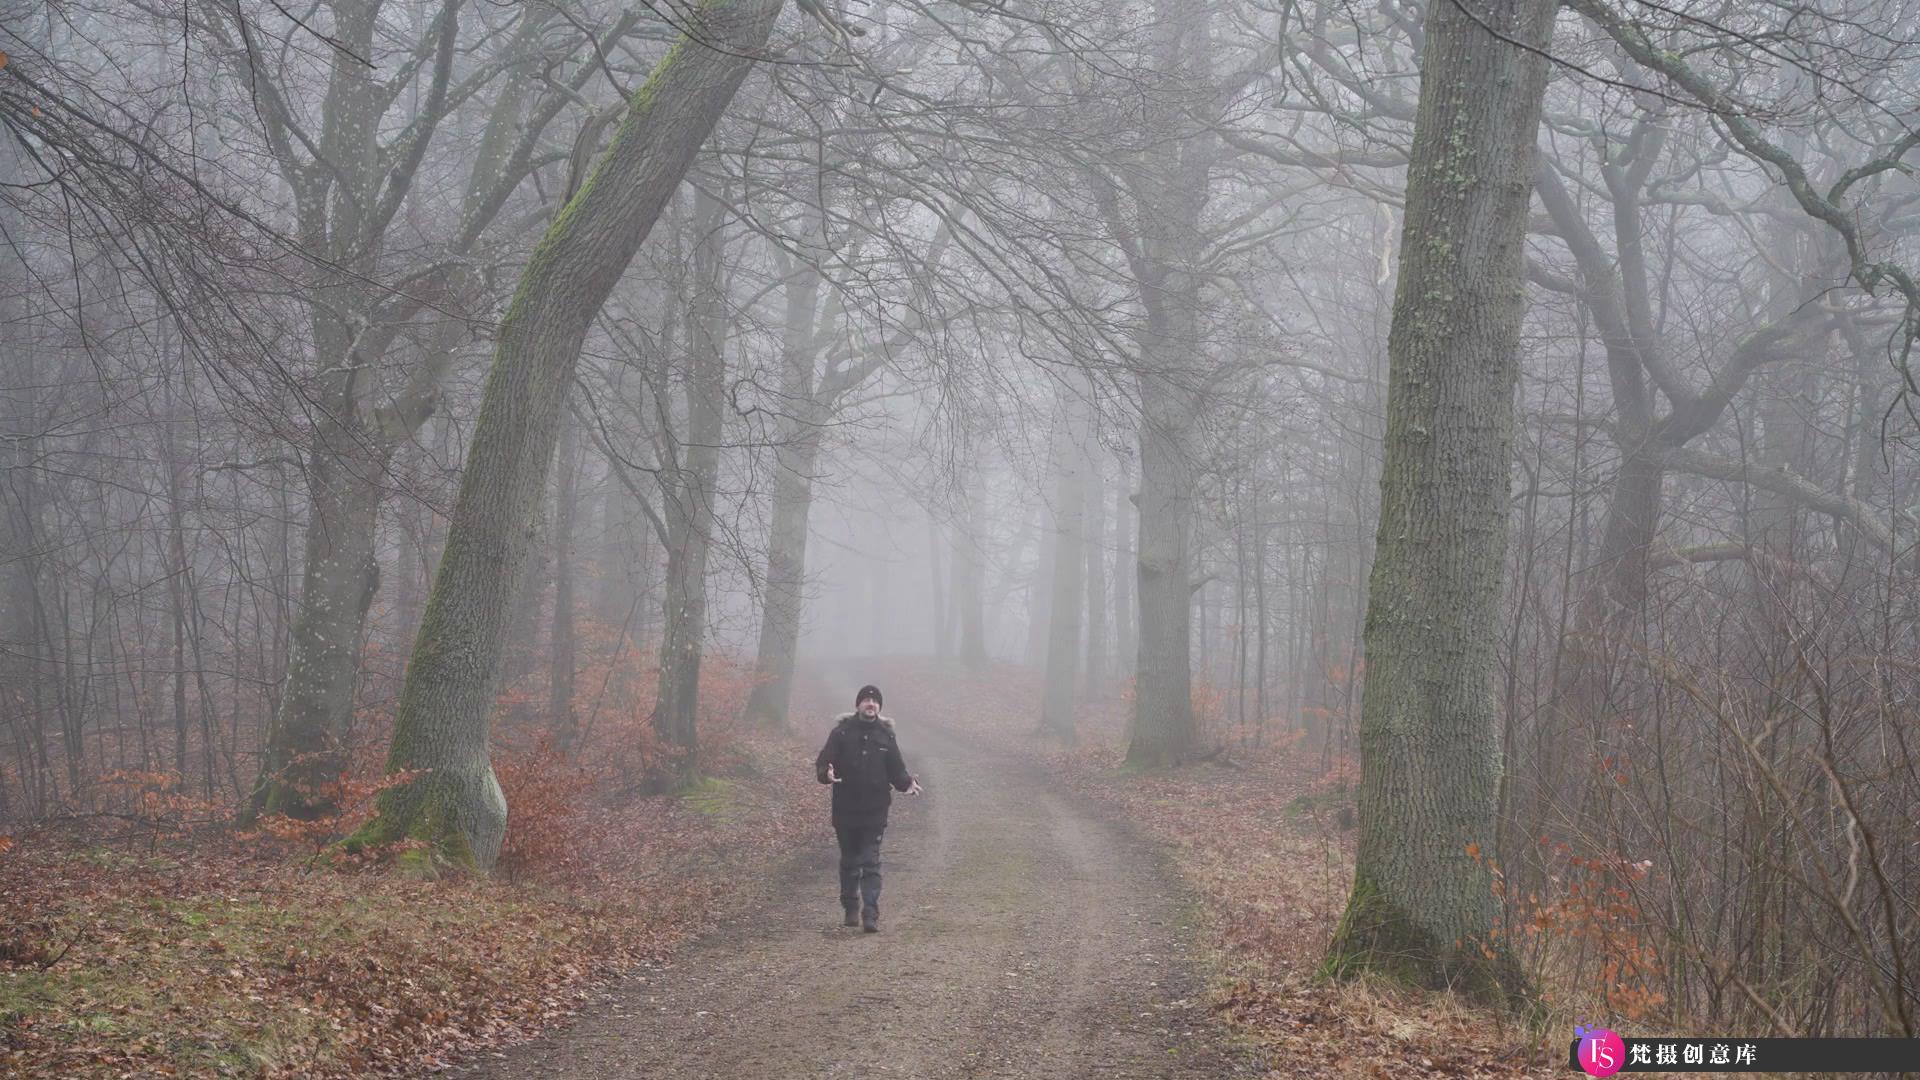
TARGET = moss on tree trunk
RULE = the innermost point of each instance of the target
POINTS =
(441, 727)
(1422, 908)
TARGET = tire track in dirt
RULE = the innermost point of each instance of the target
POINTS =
(1021, 937)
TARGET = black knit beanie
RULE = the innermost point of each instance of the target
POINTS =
(868, 692)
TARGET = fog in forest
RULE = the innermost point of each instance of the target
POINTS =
(1498, 412)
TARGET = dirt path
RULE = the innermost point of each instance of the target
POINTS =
(1020, 938)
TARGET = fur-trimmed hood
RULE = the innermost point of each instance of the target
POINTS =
(854, 717)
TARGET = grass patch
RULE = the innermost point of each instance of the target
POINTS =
(709, 795)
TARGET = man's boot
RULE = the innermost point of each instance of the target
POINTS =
(852, 915)
(869, 920)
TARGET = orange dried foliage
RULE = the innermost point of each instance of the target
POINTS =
(155, 801)
(354, 794)
(547, 799)
(1588, 934)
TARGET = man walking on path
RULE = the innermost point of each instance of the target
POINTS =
(862, 761)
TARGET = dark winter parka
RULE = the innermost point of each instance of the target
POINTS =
(865, 754)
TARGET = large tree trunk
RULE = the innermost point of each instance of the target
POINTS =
(1163, 730)
(305, 754)
(1422, 905)
(689, 511)
(306, 751)
(1066, 606)
(455, 803)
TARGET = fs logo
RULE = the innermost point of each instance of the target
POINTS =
(1601, 1052)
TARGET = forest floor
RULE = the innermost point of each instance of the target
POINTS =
(1046, 913)
(138, 950)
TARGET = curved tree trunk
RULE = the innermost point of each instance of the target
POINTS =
(1422, 905)
(455, 803)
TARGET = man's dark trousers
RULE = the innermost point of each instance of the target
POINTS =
(860, 865)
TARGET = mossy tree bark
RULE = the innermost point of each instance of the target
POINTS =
(1422, 905)
(455, 803)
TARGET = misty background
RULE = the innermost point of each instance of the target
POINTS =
(1000, 342)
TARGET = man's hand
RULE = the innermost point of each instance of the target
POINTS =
(913, 788)
(832, 777)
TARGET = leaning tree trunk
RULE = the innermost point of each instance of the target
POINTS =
(305, 755)
(1422, 905)
(455, 803)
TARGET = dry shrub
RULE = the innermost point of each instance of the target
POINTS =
(547, 799)
(157, 802)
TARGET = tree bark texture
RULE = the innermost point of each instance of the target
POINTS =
(455, 803)
(1163, 729)
(1422, 905)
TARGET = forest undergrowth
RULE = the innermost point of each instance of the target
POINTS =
(153, 939)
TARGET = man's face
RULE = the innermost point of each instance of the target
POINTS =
(869, 708)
